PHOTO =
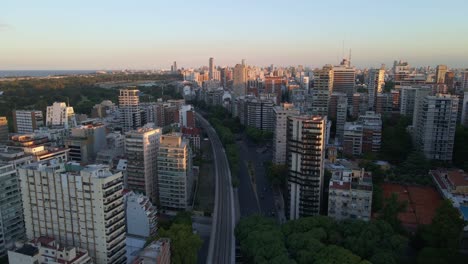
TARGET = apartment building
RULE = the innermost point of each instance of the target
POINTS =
(281, 114)
(26, 121)
(77, 206)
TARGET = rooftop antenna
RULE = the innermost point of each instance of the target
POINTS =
(349, 58)
(342, 50)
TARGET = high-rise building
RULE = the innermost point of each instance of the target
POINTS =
(384, 103)
(305, 160)
(375, 85)
(435, 124)
(141, 150)
(344, 79)
(86, 141)
(174, 67)
(320, 95)
(256, 112)
(3, 129)
(441, 70)
(187, 116)
(26, 121)
(281, 114)
(59, 114)
(211, 68)
(11, 210)
(464, 81)
(239, 84)
(352, 138)
(174, 172)
(464, 113)
(274, 85)
(371, 131)
(77, 206)
(408, 98)
(360, 104)
(337, 112)
(130, 113)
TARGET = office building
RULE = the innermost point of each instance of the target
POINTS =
(140, 215)
(239, 84)
(174, 172)
(4, 129)
(86, 141)
(375, 85)
(47, 250)
(129, 105)
(337, 112)
(60, 115)
(441, 70)
(26, 121)
(344, 79)
(281, 114)
(305, 161)
(11, 210)
(78, 206)
(141, 150)
(320, 95)
(434, 126)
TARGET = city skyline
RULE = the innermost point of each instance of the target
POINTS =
(121, 35)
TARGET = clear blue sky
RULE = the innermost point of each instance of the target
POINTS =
(141, 34)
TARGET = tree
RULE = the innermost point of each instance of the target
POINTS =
(184, 243)
(392, 207)
(446, 227)
(460, 151)
(277, 174)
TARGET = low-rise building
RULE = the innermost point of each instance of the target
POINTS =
(140, 215)
(158, 252)
(47, 250)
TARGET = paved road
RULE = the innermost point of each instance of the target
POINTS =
(221, 247)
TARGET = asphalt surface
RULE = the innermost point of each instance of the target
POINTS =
(222, 245)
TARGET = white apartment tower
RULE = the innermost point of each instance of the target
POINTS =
(435, 124)
(375, 85)
(26, 121)
(129, 105)
(174, 172)
(281, 114)
(59, 114)
(305, 161)
(77, 206)
(141, 150)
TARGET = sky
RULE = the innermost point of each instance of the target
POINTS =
(151, 34)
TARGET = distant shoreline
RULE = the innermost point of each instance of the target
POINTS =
(42, 73)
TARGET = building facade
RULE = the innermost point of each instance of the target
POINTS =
(375, 85)
(305, 161)
(60, 115)
(140, 215)
(141, 150)
(78, 206)
(130, 113)
(26, 121)
(174, 172)
(281, 114)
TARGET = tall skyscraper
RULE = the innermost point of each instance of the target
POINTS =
(174, 172)
(26, 121)
(281, 114)
(464, 80)
(408, 98)
(434, 130)
(174, 67)
(59, 114)
(11, 210)
(344, 79)
(77, 206)
(375, 85)
(305, 160)
(212, 68)
(239, 85)
(130, 113)
(441, 70)
(141, 149)
(320, 95)
(3, 129)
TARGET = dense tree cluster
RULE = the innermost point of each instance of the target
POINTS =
(460, 151)
(318, 239)
(396, 141)
(258, 135)
(277, 174)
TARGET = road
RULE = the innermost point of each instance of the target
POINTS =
(222, 244)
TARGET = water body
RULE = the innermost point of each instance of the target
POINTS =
(43, 73)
